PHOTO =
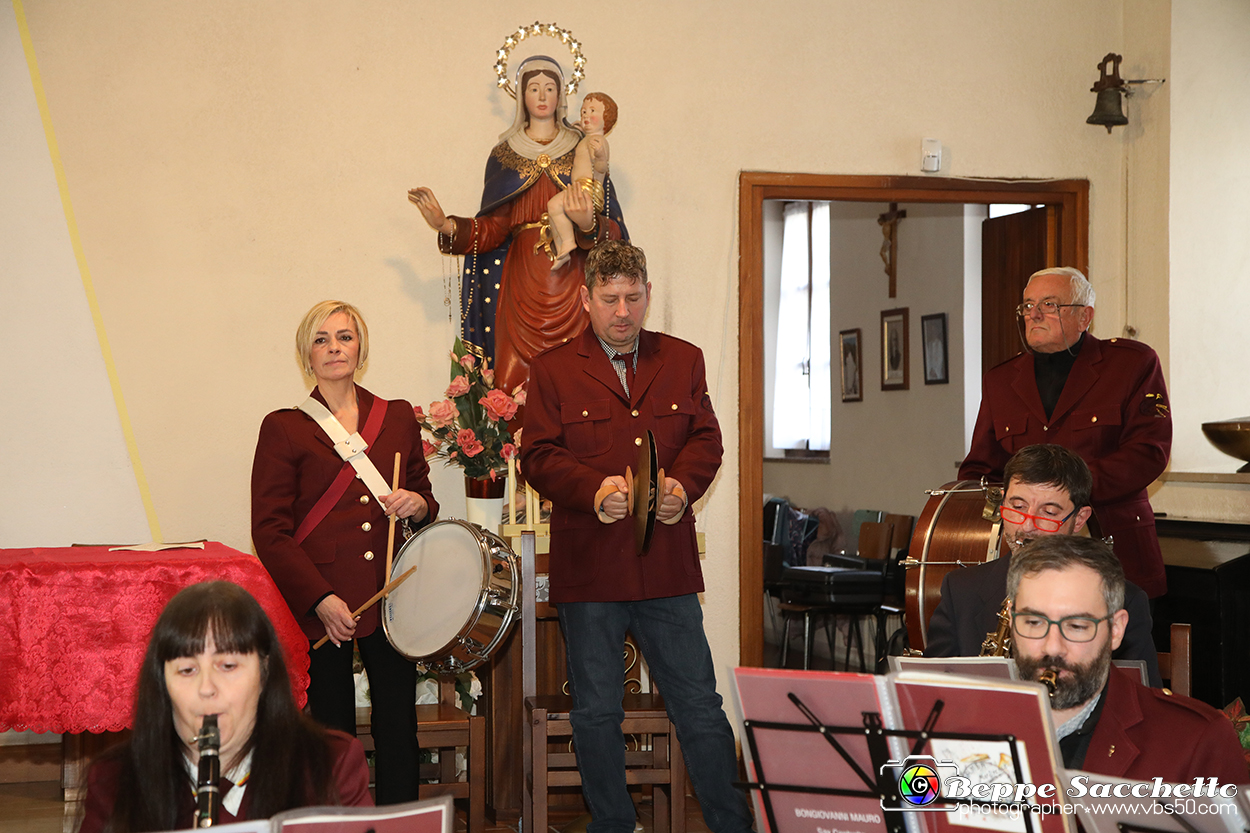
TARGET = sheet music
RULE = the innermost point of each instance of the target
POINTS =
(853, 753)
(1002, 668)
(432, 815)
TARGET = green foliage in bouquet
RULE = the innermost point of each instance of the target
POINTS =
(469, 426)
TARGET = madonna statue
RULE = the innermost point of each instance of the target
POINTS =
(513, 304)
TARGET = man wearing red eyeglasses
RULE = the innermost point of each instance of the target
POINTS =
(1047, 493)
(1105, 400)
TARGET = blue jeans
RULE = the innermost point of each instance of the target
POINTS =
(670, 634)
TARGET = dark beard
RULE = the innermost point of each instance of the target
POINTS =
(1085, 683)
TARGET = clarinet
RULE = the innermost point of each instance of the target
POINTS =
(206, 790)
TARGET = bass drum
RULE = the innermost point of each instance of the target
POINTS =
(951, 533)
(459, 604)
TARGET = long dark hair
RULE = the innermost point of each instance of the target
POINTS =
(291, 764)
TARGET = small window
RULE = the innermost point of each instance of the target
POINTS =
(802, 398)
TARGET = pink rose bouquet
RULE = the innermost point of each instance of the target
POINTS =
(499, 405)
(469, 426)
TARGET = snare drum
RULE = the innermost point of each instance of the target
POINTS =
(459, 604)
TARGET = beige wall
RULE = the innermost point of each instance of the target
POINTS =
(230, 163)
(68, 474)
(1210, 215)
(1209, 174)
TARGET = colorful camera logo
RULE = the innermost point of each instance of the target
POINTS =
(919, 785)
(919, 779)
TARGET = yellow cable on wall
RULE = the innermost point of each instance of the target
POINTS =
(114, 383)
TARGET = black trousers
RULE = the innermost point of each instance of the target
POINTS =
(393, 692)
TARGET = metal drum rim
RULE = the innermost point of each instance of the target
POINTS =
(438, 660)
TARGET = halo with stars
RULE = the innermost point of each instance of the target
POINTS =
(537, 29)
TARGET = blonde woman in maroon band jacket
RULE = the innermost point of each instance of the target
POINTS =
(340, 563)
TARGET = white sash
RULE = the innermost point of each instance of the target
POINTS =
(351, 447)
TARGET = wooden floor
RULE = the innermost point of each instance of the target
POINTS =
(31, 808)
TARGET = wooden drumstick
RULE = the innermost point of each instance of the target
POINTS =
(372, 601)
(390, 533)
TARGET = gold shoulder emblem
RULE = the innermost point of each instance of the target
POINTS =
(1154, 404)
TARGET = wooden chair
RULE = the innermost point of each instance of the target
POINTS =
(773, 568)
(857, 519)
(1174, 666)
(813, 616)
(547, 745)
(444, 727)
(875, 539)
(894, 604)
(876, 546)
(855, 589)
(902, 530)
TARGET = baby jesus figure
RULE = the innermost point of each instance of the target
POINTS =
(590, 168)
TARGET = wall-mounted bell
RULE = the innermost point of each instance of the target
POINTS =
(1107, 110)
(1109, 86)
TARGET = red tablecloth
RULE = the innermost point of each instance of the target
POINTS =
(75, 621)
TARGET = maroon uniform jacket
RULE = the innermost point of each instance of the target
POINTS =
(580, 428)
(1114, 413)
(346, 553)
(1144, 733)
(350, 776)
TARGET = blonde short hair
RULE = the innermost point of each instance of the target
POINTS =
(311, 323)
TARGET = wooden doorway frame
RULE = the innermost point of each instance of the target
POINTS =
(1069, 233)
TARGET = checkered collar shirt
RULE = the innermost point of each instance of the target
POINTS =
(618, 360)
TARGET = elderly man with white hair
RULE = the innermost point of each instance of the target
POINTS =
(1105, 400)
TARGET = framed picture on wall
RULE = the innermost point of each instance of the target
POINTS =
(894, 349)
(852, 365)
(936, 357)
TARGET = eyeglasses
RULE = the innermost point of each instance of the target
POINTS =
(1040, 523)
(1072, 628)
(1047, 307)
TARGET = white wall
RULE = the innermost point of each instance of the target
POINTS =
(68, 477)
(1210, 225)
(1209, 214)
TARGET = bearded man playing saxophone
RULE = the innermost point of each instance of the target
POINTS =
(1067, 616)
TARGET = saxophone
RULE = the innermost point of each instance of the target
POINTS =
(208, 794)
(998, 642)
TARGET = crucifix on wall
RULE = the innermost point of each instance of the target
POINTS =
(889, 247)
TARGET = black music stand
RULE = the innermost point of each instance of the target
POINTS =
(784, 734)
